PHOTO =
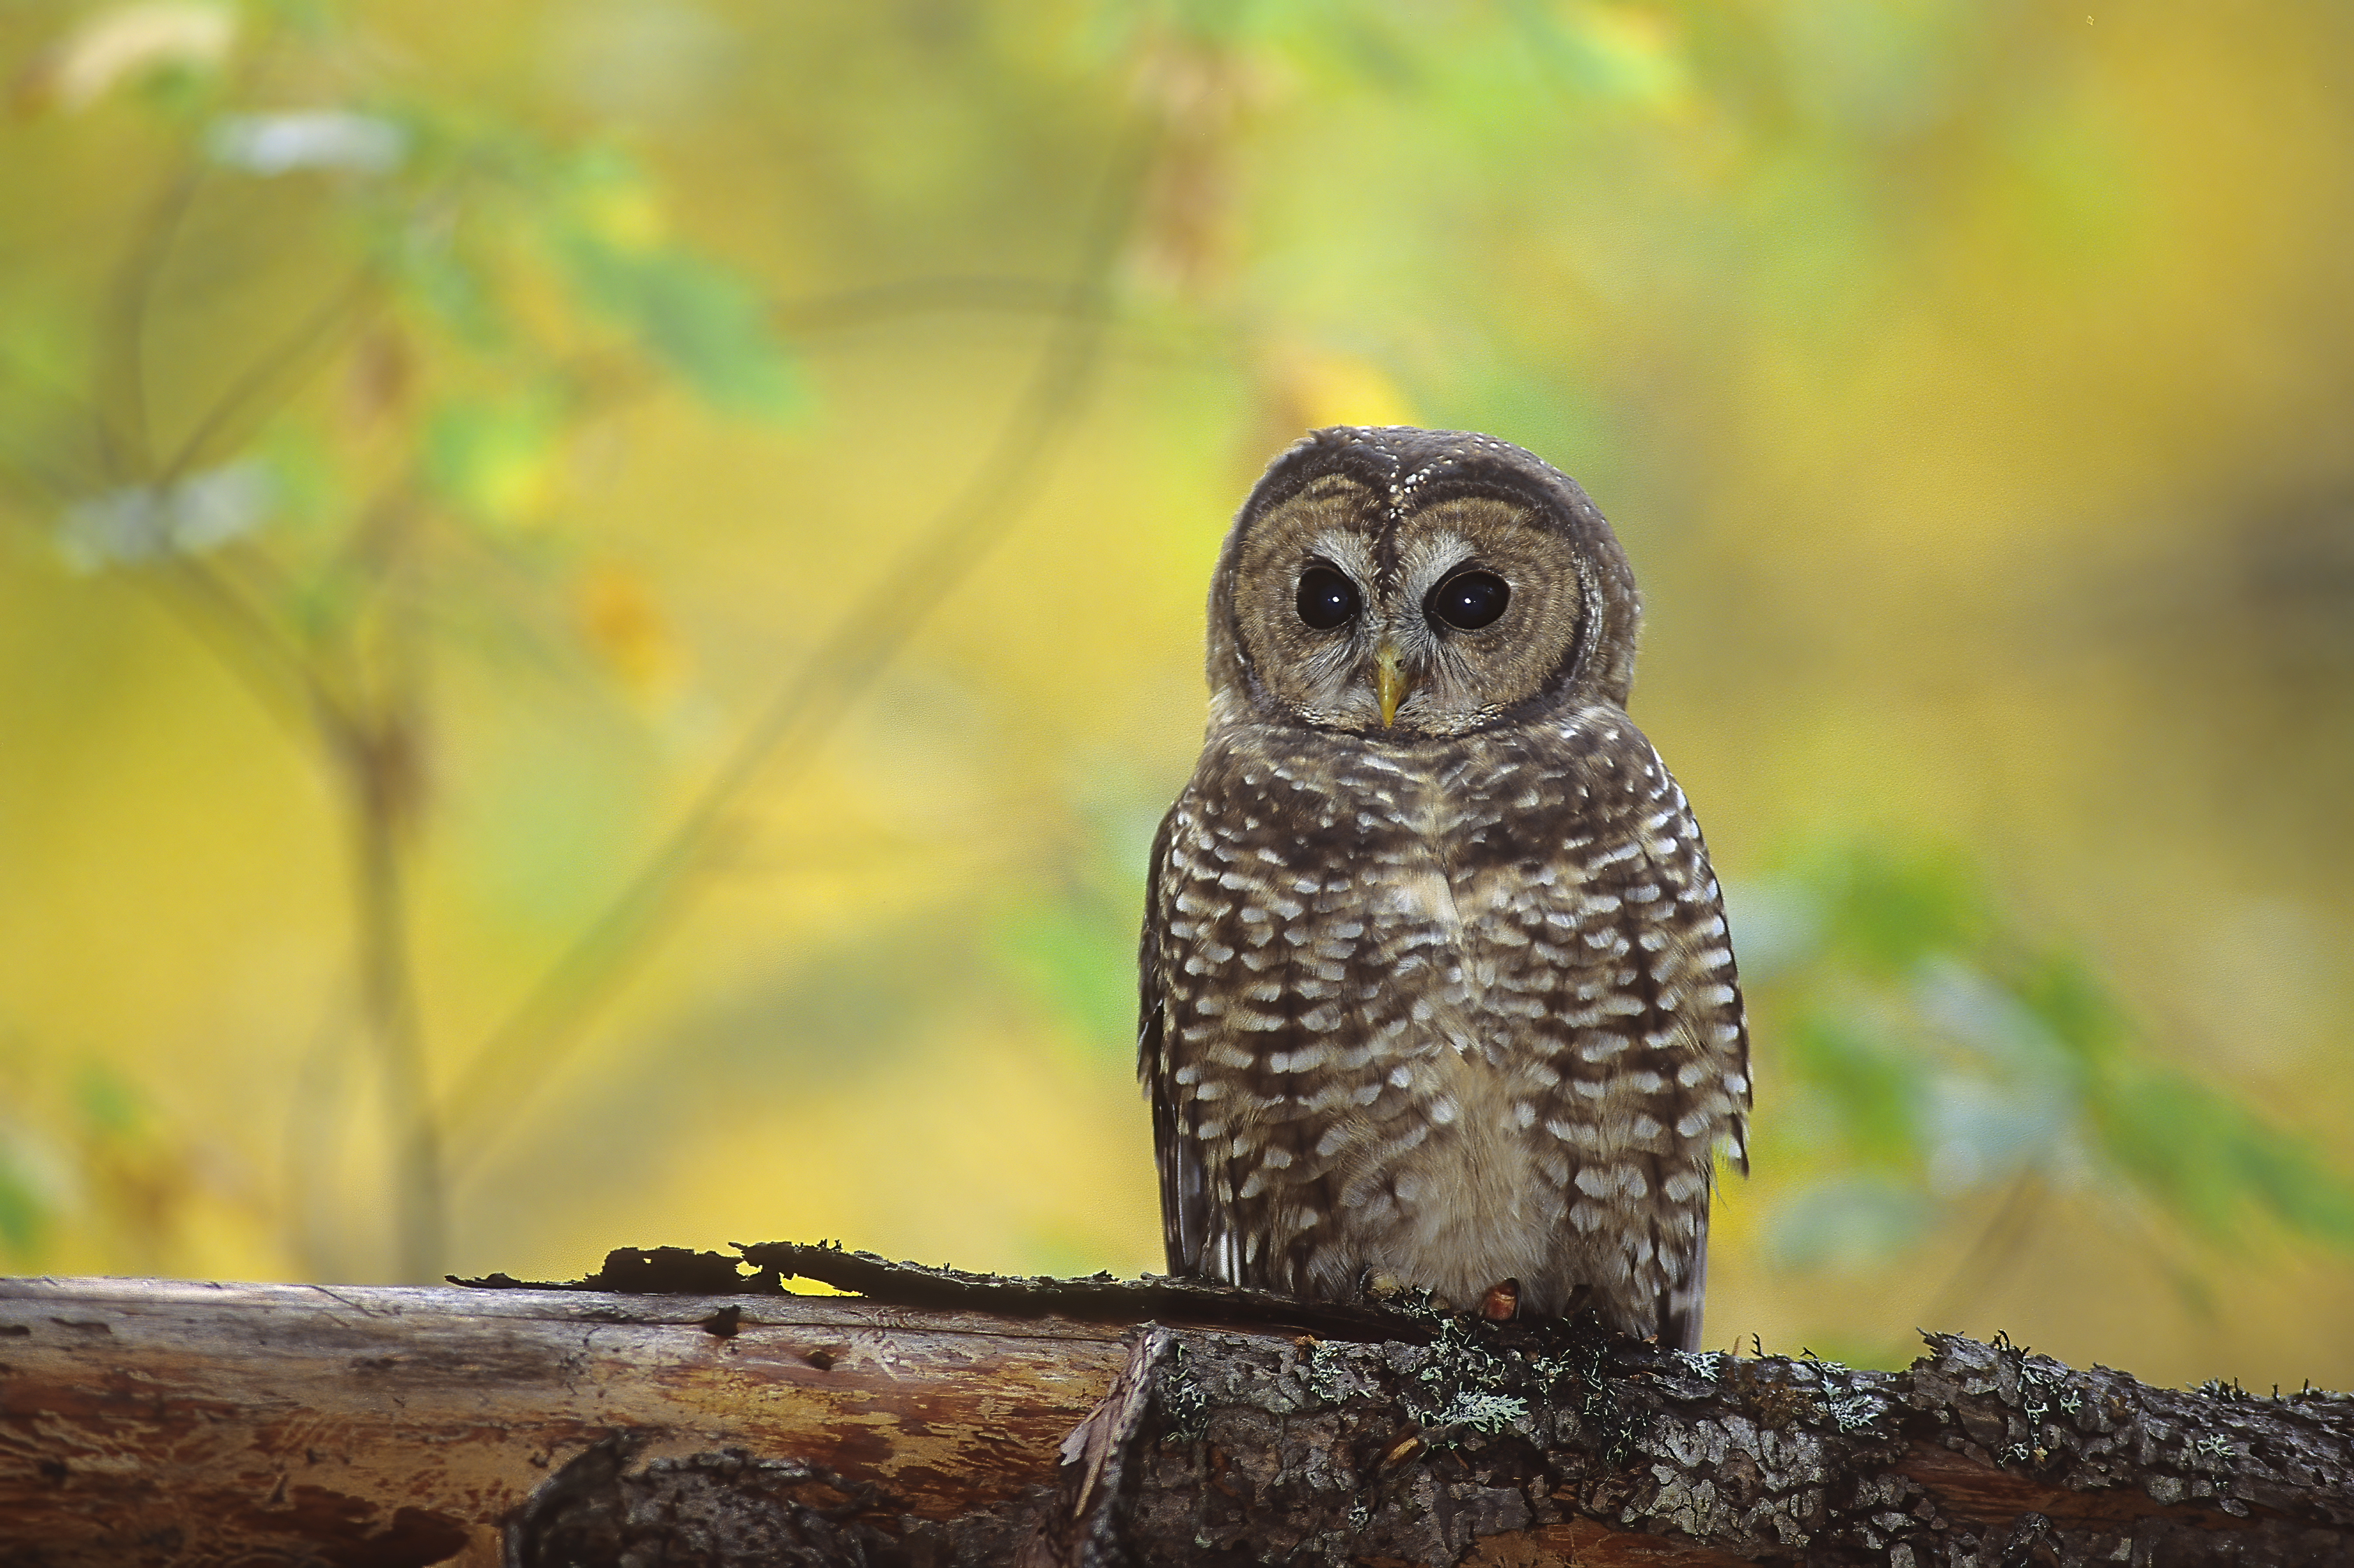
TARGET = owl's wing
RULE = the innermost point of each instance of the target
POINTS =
(1184, 1187)
(1695, 994)
(1644, 1023)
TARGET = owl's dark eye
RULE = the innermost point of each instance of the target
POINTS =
(1467, 601)
(1327, 598)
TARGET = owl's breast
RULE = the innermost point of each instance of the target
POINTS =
(1464, 850)
(1401, 892)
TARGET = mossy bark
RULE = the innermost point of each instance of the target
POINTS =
(147, 1421)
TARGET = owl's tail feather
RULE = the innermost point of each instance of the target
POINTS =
(1679, 1303)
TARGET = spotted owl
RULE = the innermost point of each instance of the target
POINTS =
(1437, 986)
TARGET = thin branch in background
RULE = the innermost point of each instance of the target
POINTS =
(381, 773)
(240, 632)
(368, 740)
(276, 671)
(848, 309)
(1993, 1252)
(382, 770)
(123, 432)
(535, 1041)
(291, 686)
(313, 334)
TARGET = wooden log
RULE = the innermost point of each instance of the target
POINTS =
(146, 1421)
(1491, 1447)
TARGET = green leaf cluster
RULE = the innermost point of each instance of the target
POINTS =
(1930, 1049)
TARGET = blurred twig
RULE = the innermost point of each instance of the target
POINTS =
(287, 680)
(314, 332)
(383, 775)
(122, 392)
(547, 1025)
(851, 308)
(290, 683)
(1995, 1249)
(366, 730)
(206, 599)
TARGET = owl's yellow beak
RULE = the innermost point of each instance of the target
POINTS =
(1391, 683)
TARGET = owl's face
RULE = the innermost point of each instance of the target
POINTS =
(1413, 583)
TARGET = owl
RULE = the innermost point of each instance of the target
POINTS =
(1436, 987)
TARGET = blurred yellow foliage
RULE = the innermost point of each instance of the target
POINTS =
(116, 44)
(1307, 389)
(622, 620)
(600, 601)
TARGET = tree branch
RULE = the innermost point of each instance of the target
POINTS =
(156, 1421)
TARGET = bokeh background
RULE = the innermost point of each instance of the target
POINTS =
(598, 602)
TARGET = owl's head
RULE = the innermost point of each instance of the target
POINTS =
(1416, 583)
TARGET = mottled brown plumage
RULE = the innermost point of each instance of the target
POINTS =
(1447, 999)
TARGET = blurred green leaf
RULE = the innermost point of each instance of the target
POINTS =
(1929, 1036)
(703, 322)
(2207, 1160)
(2062, 993)
(1075, 948)
(495, 461)
(1602, 51)
(1079, 965)
(1887, 911)
(450, 285)
(23, 1217)
(1874, 1085)
(112, 1107)
(1846, 1220)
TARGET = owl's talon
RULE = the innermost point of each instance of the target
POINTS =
(1383, 1285)
(1501, 1304)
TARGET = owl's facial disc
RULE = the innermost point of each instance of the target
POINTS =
(1437, 621)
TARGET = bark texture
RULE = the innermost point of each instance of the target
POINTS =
(1478, 1449)
(147, 1421)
